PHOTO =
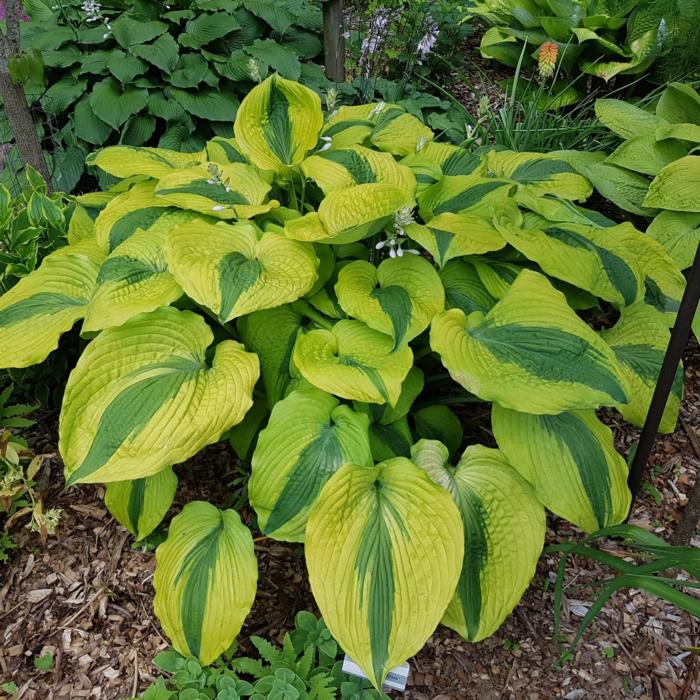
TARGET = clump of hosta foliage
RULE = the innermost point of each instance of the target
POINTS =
(308, 282)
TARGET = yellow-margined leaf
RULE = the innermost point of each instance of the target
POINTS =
(126, 161)
(223, 151)
(540, 173)
(349, 215)
(448, 236)
(140, 504)
(394, 544)
(278, 123)
(399, 298)
(233, 191)
(453, 160)
(353, 361)
(144, 396)
(81, 225)
(457, 194)
(571, 462)
(464, 289)
(309, 437)
(398, 132)
(205, 580)
(639, 339)
(504, 528)
(46, 303)
(530, 352)
(338, 169)
(134, 278)
(235, 270)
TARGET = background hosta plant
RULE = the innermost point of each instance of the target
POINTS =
(301, 288)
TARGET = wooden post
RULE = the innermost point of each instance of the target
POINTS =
(333, 40)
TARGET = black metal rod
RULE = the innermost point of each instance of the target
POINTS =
(333, 40)
(674, 353)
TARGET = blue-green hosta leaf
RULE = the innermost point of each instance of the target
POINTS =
(271, 334)
(309, 437)
(504, 528)
(237, 269)
(448, 236)
(278, 123)
(594, 259)
(456, 194)
(234, 191)
(134, 278)
(224, 151)
(398, 132)
(144, 396)
(464, 289)
(338, 169)
(125, 161)
(205, 580)
(138, 208)
(399, 298)
(394, 542)
(141, 504)
(349, 215)
(353, 361)
(679, 234)
(539, 173)
(46, 303)
(640, 339)
(438, 422)
(530, 352)
(390, 439)
(114, 103)
(571, 462)
(676, 186)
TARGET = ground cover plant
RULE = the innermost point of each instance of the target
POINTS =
(595, 37)
(134, 73)
(302, 288)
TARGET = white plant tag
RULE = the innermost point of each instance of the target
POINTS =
(396, 679)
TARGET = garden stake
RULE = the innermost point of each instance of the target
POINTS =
(333, 40)
(674, 352)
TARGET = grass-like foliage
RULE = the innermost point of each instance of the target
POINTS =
(321, 288)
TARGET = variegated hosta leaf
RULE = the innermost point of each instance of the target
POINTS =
(504, 528)
(393, 540)
(679, 234)
(530, 352)
(140, 504)
(126, 161)
(234, 191)
(497, 276)
(46, 303)
(244, 435)
(571, 462)
(223, 151)
(81, 225)
(350, 124)
(399, 298)
(271, 334)
(453, 160)
(438, 422)
(539, 173)
(309, 437)
(398, 132)
(426, 172)
(205, 580)
(450, 236)
(353, 361)
(458, 194)
(390, 440)
(144, 396)
(593, 259)
(278, 123)
(134, 278)
(338, 169)
(136, 209)
(235, 270)
(349, 215)
(664, 283)
(464, 289)
(384, 414)
(640, 339)
(555, 209)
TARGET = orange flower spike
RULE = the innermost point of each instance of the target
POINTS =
(547, 59)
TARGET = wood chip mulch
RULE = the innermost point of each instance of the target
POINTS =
(86, 598)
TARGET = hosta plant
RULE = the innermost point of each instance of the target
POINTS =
(322, 287)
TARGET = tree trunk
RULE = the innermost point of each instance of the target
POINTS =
(22, 125)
